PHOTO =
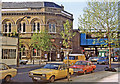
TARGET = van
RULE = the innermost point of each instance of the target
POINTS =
(73, 58)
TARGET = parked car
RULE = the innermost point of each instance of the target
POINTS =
(93, 59)
(103, 60)
(116, 58)
(50, 72)
(73, 58)
(6, 72)
(23, 61)
(83, 67)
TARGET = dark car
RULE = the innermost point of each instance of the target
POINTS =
(103, 60)
(24, 62)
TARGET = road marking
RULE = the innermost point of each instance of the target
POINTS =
(23, 73)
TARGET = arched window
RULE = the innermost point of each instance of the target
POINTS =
(33, 28)
(5, 28)
(9, 27)
(24, 27)
(52, 28)
(36, 27)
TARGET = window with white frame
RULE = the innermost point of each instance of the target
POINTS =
(36, 27)
(52, 28)
(7, 27)
(22, 27)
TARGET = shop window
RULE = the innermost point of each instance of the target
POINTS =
(8, 53)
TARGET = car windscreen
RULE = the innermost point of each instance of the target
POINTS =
(51, 66)
(70, 57)
(81, 63)
(102, 58)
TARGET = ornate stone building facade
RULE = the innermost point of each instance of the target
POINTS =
(44, 16)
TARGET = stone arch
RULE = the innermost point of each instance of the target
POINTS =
(25, 44)
(26, 21)
(8, 19)
(36, 19)
(51, 20)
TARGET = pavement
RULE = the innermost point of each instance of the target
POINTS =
(112, 78)
(30, 64)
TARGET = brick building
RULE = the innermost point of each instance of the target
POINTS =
(44, 16)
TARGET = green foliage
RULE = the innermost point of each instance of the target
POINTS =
(41, 41)
(67, 34)
(101, 19)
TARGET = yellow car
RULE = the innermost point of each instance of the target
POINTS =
(7, 72)
(50, 72)
(73, 58)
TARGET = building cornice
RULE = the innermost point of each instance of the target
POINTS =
(37, 13)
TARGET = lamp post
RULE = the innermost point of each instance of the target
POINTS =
(19, 37)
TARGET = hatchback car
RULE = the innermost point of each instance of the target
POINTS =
(50, 72)
(23, 61)
(103, 60)
(83, 67)
(93, 59)
(6, 72)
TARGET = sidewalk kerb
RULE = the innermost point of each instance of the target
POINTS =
(29, 66)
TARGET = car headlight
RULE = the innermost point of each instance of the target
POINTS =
(44, 75)
(31, 73)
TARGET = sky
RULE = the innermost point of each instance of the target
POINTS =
(74, 7)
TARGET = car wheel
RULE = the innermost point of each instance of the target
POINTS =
(92, 71)
(34, 80)
(52, 79)
(7, 79)
(69, 75)
(24, 63)
(85, 72)
(106, 63)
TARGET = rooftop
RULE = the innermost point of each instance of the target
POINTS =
(17, 5)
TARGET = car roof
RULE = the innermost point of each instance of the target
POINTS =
(83, 61)
(76, 54)
(56, 63)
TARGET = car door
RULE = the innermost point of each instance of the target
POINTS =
(3, 71)
(88, 67)
(62, 71)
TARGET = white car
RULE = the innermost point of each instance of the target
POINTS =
(24, 62)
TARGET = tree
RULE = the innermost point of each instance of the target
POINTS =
(41, 41)
(67, 35)
(101, 19)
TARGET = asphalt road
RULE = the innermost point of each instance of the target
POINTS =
(22, 75)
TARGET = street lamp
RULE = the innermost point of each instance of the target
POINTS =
(19, 37)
